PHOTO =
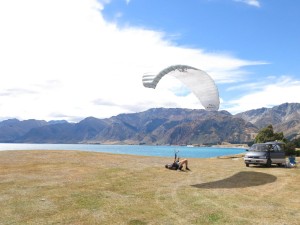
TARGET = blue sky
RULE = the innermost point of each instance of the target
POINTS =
(264, 31)
(65, 59)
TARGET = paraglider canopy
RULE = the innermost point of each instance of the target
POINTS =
(198, 81)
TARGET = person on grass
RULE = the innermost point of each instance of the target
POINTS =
(178, 164)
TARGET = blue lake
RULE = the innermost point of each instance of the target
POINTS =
(144, 150)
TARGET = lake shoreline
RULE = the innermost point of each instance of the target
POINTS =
(162, 151)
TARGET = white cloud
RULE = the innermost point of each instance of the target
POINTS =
(61, 60)
(254, 3)
(268, 94)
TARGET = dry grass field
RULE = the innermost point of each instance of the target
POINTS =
(73, 187)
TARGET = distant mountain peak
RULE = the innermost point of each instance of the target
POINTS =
(159, 126)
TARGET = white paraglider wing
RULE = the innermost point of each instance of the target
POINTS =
(199, 82)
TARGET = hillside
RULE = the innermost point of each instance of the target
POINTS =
(158, 126)
(284, 118)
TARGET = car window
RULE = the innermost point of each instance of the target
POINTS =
(265, 147)
(258, 147)
(280, 147)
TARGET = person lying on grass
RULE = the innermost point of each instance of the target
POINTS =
(178, 164)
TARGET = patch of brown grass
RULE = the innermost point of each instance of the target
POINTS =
(73, 187)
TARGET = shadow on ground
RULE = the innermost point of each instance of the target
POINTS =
(239, 180)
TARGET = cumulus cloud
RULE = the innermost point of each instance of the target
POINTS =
(61, 60)
(266, 94)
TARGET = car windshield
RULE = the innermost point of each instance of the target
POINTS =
(259, 148)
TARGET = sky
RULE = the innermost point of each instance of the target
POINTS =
(71, 59)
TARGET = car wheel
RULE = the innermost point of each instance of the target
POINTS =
(279, 164)
(269, 162)
(247, 164)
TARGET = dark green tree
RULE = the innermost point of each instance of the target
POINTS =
(290, 148)
(267, 134)
(296, 142)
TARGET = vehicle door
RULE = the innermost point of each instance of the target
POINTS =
(277, 154)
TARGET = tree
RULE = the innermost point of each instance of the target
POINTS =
(267, 134)
(296, 142)
(290, 148)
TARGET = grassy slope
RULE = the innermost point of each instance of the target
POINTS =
(72, 187)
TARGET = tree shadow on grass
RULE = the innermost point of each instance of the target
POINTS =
(239, 180)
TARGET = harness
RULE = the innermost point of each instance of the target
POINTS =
(175, 164)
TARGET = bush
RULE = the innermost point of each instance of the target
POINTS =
(290, 149)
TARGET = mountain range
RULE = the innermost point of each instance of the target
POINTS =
(159, 126)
